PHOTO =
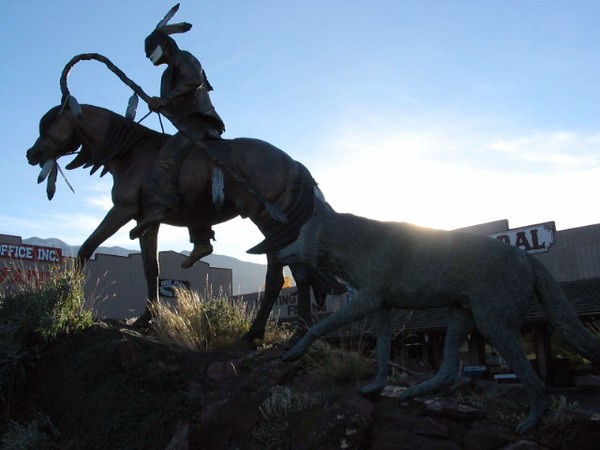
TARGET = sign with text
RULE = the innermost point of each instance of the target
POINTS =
(167, 287)
(26, 252)
(533, 238)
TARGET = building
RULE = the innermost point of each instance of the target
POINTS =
(115, 286)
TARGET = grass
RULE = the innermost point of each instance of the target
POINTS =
(207, 323)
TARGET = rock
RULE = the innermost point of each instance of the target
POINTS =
(219, 372)
(443, 408)
(388, 410)
(522, 445)
(180, 439)
(404, 440)
(128, 354)
(227, 423)
(486, 436)
(341, 424)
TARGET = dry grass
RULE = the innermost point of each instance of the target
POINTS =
(211, 322)
(341, 364)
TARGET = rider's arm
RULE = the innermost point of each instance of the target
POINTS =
(189, 76)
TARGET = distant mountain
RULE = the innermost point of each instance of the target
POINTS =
(247, 277)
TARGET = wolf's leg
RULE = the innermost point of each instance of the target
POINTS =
(362, 304)
(460, 322)
(384, 338)
(509, 346)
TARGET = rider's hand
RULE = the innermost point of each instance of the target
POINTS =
(156, 103)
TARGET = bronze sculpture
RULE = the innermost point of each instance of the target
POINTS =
(114, 144)
(184, 95)
(485, 283)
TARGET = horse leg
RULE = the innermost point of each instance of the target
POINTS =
(149, 247)
(460, 322)
(303, 284)
(116, 217)
(273, 284)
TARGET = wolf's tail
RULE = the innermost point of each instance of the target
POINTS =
(562, 315)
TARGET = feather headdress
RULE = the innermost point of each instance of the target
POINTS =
(175, 28)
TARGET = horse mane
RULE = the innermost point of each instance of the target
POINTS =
(123, 137)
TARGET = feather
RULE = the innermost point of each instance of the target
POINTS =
(168, 16)
(48, 165)
(176, 28)
(132, 107)
(66, 181)
(218, 191)
(51, 186)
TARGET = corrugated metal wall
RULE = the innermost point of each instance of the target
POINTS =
(116, 287)
(575, 254)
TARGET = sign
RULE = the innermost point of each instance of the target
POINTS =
(167, 287)
(30, 253)
(533, 238)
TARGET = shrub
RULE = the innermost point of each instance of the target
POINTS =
(32, 314)
(277, 413)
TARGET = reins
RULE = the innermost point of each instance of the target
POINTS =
(274, 210)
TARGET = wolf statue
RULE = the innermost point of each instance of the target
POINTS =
(485, 283)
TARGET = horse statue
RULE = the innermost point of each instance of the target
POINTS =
(126, 150)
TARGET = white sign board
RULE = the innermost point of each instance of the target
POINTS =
(533, 238)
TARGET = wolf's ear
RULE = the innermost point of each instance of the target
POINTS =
(321, 208)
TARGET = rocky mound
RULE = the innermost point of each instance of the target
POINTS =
(109, 387)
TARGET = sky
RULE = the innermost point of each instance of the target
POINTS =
(442, 113)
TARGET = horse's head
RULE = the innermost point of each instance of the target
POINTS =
(58, 137)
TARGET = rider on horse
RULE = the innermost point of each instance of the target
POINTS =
(184, 94)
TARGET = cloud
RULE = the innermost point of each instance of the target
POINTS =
(434, 176)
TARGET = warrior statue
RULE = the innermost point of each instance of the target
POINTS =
(184, 94)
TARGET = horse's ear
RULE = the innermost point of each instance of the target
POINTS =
(72, 104)
(74, 107)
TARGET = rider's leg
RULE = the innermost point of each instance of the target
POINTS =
(163, 184)
(200, 237)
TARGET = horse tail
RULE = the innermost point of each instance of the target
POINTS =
(562, 315)
(298, 212)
